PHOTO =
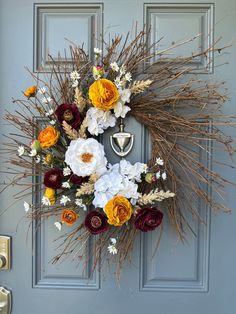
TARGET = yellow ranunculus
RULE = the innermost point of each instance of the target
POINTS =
(48, 137)
(118, 210)
(103, 94)
(30, 91)
(51, 195)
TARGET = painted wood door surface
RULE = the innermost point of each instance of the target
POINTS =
(196, 278)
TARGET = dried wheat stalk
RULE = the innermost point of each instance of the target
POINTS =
(154, 196)
(79, 100)
(70, 132)
(140, 86)
(86, 188)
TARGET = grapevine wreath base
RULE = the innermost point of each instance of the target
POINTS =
(61, 116)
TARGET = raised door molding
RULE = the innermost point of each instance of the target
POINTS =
(57, 25)
(178, 22)
(177, 266)
(76, 272)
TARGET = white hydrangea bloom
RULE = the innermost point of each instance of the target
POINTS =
(99, 120)
(120, 179)
(125, 95)
(106, 187)
(133, 172)
(130, 189)
(120, 110)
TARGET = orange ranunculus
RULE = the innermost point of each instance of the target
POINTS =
(103, 94)
(51, 195)
(30, 91)
(118, 210)
(69, 216)
(48, 137)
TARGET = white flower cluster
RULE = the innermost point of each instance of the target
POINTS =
(112, 246)
(98, 119)
(74, 76)
(160, 174)
(120, 179)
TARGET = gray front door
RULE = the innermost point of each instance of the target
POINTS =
(195, 278)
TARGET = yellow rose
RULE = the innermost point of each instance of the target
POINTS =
(118, 210)
(48, 137)
(51, 195)
(103, 94)
(30, 91)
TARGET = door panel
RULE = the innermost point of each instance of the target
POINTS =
(197, 277)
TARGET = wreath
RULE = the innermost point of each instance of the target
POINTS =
(62, 117)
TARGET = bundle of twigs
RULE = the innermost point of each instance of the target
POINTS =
(181, 112)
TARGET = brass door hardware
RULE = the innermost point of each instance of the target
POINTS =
(5, 253)
(123, 140)
(5, 301)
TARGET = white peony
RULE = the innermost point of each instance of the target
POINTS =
(85, 156)
(99, 120)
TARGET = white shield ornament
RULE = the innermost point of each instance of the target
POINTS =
(122, 142)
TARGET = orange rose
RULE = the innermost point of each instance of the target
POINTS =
(30, 91)
(103, 94)
(48, 137)
(69, 216)
(118, 210)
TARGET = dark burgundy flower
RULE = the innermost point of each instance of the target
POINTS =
(96, 222)
(148, 219)
(70, 114)
(77, 180)
(53, 178)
